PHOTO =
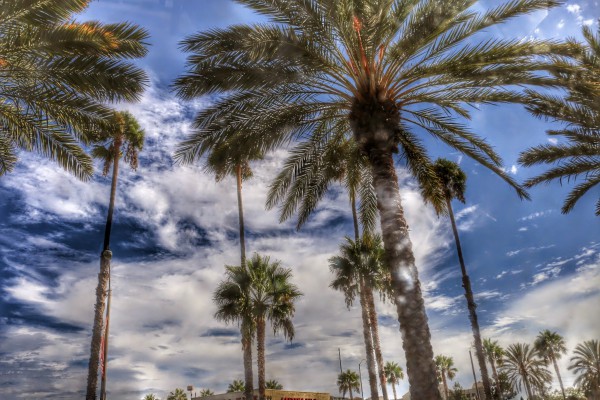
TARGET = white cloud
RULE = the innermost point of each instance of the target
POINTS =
(513, 169)
(561, 24)
(574, 8)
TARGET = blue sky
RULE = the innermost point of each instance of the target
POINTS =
(532, 267)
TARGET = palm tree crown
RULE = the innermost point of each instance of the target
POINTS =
(347, 382)
(178, 394)
(551, 346)
(579, 156)
(446, 370)
(273, 384)
(586, 365)
(393, 373)
(54, 76)
(236, 386)
(524, 368)
(206, 392)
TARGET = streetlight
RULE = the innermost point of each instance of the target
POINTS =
(360, 375)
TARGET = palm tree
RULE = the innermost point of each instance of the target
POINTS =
(206, 392)
(178, 394)
(586, 365)
(123, 137)
(263, 291)
(494, 354)
(56, 74)
(150, 396)
(453, 181)
(551, 347)
(348, 381)
(273, 384)
(236, 386)
(446, 370)
(393, 373)
(524, 368)
(579, 156)
(379, 69)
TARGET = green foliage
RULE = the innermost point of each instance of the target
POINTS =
(273, 384)
(393, 372)
(457, 393)
(348, 381)
(452, 178)
(579, 155)
(55, 75)
(571, 394)
(206, 392)
(493, 351)
(585, 364)
(524, 366)
(150, 396)
(236, 386)
(178, 394)
(507, 391)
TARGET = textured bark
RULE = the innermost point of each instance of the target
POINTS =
(364, 305)
(103, 276)
(113, 192)
(527, 385)
(394, 390)
(238, 172)
(375, 123)
(495, 372)
(445, 383)
(354, 217)
(376, 343)
(487, 388)
(247, 351)
(106, 337)
(260, 340)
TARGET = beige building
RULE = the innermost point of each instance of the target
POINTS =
(471, 393)
(271, 395)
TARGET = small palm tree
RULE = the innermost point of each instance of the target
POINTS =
(453, 181)
(394, 374)
(123, 137)
(55, 76)
(348, 381)
(586, 365)
(150, 396)
(178, 394)
(446, 370)
(494, 354)
(273, 384)
(524, 368)
(206, 392)
(579, 156)
(551, 347)
(236, 386)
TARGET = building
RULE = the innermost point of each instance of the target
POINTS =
(271, 394)
(471, 393)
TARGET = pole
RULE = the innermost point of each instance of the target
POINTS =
(362, 395)
(474, 376)
(340, 356)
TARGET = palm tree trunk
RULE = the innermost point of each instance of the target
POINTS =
(241, 215)
(352, 398)
(445, 384)
(103, 276)
(562, 388)
(376, 342)
(260, 340)
(472, 306)
(106, 334)
(113, 193)
(495, 372)
(528, 387)
(416, 338)
(247, 351)
(394, 390)
(354, 216)
(364, 305)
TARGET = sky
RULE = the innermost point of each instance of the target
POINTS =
(175, 228)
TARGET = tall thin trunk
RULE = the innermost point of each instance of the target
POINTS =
(416, 338)
(106, 334)
(260, 340)
(495, 372)
(376, 342)
(351, 397)
(562, 388)
(445, 384)
(247, 351)
(394, 390)
(92, 380)
(103, 278)
(354, 216)
(471, 306)
(527, 386)
(364, 305)
(241, 215)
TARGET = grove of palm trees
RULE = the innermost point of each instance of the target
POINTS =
(288, 216)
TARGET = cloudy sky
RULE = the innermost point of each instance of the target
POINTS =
(532, 267)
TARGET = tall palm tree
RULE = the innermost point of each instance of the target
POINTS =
(453, 181)
(123, 138)
(524, 368)
(348, 381)
(494, 354)
(206, 393)
(446, 370)
(55, 75)
(273, 384)
(178, 394)
(261, 289)
(236, 386)
(579, 155)
(379, 69)
(393, 373)
(586, 365)
(551, 346)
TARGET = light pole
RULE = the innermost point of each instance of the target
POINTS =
(362, 395)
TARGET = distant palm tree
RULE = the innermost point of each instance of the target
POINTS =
(273, 384)
(236, 386)
(206, 392)
(122, 138)
(150, 396)
(494, 354)
(55, 76)
(453, 181)
(393, 373)
(551, 347)
(348, 381)
(579, 155)
(446, 370)
(524, 368)
(586, 365)
(178, 394)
